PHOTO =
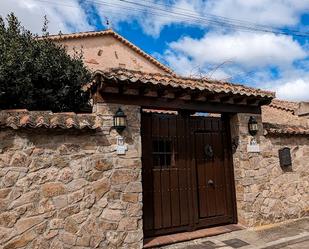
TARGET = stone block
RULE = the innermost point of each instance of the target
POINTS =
(88, 201)
(60, 201)
(66, 175)
(76, 196)
(123, 176)
(81, 216)
(134, 187)
(128, 224)
(134, 236)
(76, 184)
(68, 238)
(115, 238)
(83, 241)
(50, 234)
(112, 214)
(71, 225)
(130, 197)
(103, 165)
(53, 189)
(21, 241)
(60, 162)
(8, 219)
(56, 224)
(10, 178)
(24, 224)
(68, 211)
(30, 197)
(5, 192)
(101, 187)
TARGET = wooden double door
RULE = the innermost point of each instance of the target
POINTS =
(187, 173)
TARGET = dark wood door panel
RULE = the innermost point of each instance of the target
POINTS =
(166, 157)
(183, 186)
(210, 174)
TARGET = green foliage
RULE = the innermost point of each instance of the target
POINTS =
(38, 74)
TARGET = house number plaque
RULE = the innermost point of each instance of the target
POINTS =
(285, 157)
(121, 147)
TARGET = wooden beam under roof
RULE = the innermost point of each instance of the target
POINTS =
(179, 104)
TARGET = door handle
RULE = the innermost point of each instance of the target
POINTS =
(211, 183)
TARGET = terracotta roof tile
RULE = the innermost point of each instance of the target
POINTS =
(284, 105)
(202, 84)
(279, 129)
(16, 119)
(80, 35)
(284, 113)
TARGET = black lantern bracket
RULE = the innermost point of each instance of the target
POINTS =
(253, 127)
(120, 121)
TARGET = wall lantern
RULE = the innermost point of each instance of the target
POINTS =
(120, 121)
(253, 126)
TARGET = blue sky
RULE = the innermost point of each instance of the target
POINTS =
(194, 37)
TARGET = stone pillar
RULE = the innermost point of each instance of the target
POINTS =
(125, 202)
(246, 167)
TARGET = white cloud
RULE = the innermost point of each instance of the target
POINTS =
(151, 15)
(297, 89)
(248, 49)
(64, 17)
(265, 12)
(247, 57)
(277, 13)
(69, 16)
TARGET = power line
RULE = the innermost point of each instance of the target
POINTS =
(216, 16)
(184, 17)
(227, 23)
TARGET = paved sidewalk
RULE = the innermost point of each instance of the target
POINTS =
(288, 235)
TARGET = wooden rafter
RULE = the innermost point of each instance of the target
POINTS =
(155, 96)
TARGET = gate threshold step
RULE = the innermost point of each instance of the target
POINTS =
(185, 236)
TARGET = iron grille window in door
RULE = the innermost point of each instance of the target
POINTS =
(163, 155)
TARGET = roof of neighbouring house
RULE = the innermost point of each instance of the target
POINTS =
(279, 129)
(284, 105)
(22, 118)
(280, 117)
(63, 37)
(283, 112)
(202, 84)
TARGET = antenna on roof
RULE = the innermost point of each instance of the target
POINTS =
(107, 23)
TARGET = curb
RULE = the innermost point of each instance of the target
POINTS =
(286, 241)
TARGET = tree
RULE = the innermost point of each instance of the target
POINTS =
(38, 74)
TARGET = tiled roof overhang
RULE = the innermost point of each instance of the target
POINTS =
(17, 119)
(198, 84)
(281, 130)
(112, 33)
(173, 87)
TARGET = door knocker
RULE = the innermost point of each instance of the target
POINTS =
(208, 151)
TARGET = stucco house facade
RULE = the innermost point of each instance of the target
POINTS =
(73, 181)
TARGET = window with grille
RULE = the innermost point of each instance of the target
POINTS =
(162, 153)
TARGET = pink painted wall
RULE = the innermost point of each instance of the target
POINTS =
(104, 52)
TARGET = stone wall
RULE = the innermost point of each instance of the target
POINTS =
(69, 189)
(265, 192)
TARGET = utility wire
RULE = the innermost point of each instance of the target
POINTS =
(217, 16)
(184, 17)
(221, 22)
